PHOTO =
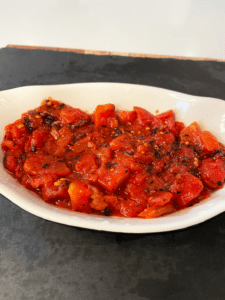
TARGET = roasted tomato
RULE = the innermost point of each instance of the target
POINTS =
(130, 164)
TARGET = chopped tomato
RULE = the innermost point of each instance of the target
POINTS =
(45, 164)
(213, 172)
(191, 135)
(112, 179)
(62, 141)
(51, 191)
(168, 119)
(11, 163)
(159, 199)
(130, 208)
(79, 196)
(209, 141)
(127, 116)
(87, 164)
(155, 212)
(37, 140)
(113, 163)
(102, 113)
(144, 117)
(80, 146)
(9, 144)
(186, 188)
(179, 126)
(122, 142)
(75, 116)
(40, 180)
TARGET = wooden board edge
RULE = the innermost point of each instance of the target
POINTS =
(111, 53)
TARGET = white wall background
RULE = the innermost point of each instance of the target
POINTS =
(194, 28)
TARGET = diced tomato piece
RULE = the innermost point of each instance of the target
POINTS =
(79, 196)
(144, 117)
(45, 164)
(21, 142)
(105, 155)
(166, 140)
(154, 212)
(209, 141)
(112, 122)
(191, 134)
(112, 201)
(65, 137)
(159, 199)
(143, 148)
(15, 152)
(165, 115)
(102, 113)
(127, 116)
(17, 129)
(168, 177)
(11, 163)
(170, 174)
(157, 124)
(212, 171)
(154, 183)
(139, 178)
(15, 132)
(171, 125)
(37, 181)
(25, 180)
(122, 142)
(8, 128)
(9, 144)
(8, 135)
(50, 146)
(51, 191)
(76, 116)
(168, 119)
(187, 153)
(128, 162)
(137, 193)
(141, 193)
(188, 160)
(81, 145)
(186, 188)
(37, 140)
(112, 179)
(98, 203)
(101, 202)
(87, 164)
(179, 126)
(130, 208)
(143, 157)
(159, 165)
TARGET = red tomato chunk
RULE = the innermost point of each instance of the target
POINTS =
(116, 163)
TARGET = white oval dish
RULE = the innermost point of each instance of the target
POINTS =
(208, 112)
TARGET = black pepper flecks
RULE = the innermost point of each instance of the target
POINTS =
(153, 132)
(61, 105)
(157, 155)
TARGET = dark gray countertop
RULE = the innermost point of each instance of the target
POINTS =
(44, 260)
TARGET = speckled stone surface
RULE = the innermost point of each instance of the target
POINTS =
(43, 260)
